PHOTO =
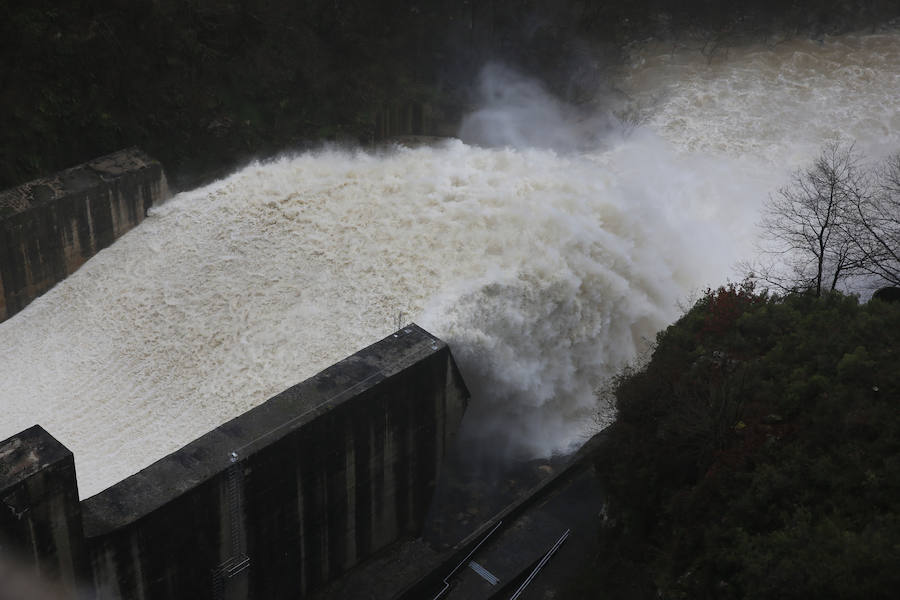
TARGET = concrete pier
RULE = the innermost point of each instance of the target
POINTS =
(273, 504)
(40, 517)
(49, 227)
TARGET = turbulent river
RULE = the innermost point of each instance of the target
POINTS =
(545, 266)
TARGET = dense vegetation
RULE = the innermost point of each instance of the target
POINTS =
(202, 84)
(757, 455)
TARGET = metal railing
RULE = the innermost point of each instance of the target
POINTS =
(540, 565)
(464, 561)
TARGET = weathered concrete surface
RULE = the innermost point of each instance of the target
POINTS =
(272, 504)
(40, 517)
(509, 553)
(49, 227)
(291, 494)
(413, 119)
(569, 496)
(580, 505)
(558, 493)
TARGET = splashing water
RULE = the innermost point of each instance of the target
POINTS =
(544, 271)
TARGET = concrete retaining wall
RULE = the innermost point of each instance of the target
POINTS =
(40, 519)
(49, 227)
(288, 495)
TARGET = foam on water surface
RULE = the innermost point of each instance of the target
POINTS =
(544, 271)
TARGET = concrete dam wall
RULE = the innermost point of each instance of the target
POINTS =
(49, 227)
(272, 504)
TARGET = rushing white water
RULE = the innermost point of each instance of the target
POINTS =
(544, 271)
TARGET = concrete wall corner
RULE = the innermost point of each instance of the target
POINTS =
(50, 226)
(40, 515)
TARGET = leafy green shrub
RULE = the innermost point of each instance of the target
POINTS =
(758, 453)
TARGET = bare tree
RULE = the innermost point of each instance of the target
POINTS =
(807, 243)
(874, 227)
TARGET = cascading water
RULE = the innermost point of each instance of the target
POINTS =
(545, 270)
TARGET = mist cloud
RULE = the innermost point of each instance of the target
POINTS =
(518, 112)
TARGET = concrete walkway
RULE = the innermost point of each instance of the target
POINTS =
(567, 497)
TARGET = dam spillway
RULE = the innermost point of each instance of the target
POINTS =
(51, 226)
(271, 504)
(546, 269)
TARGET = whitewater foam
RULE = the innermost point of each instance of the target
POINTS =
(544, 271)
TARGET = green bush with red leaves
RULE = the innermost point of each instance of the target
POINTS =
(758, 454)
